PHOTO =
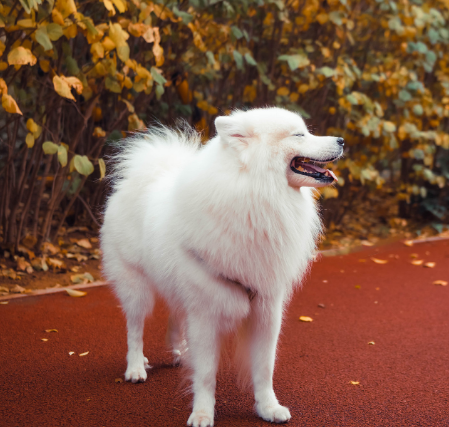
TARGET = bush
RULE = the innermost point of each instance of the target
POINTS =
(76, 74)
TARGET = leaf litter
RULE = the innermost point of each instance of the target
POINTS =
(76, 294)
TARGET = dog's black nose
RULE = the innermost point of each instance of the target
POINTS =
(340, 141)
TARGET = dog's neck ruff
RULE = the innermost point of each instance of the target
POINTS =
(251, 293)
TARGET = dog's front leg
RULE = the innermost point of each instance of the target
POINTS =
(265, 325)
(204, 350)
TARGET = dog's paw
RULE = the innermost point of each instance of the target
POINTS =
(200, 419)
(136, 374)
(146, 365)
(274, 413)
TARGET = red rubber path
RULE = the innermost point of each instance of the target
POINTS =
(404, 376)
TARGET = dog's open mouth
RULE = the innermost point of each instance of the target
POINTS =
(303, 166)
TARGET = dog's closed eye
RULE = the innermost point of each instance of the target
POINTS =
(298, 134)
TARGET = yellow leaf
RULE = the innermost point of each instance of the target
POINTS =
(97, 50)
(44, 339)
(417, 261)
(32, 125)
(66, 7)
(413, 255)
(379, 261)
(98, 132)
(74, 83)
(2, 47)
(84, 243)
(71, 31)
(367, 243)
(4, 302)
(440, 282)
(45, 65)
(3, 87)
(57, 17)
(305, 319)
(21, 56)
(283, 91)
(10, 105)
(3, 65)
(322, 18)
(84, 354)
(355, 382)
(102, 166)
(108, 5)
(371, 343)
(430, 264)
(71, 352)
(29, 140)
(108, 44)
(51, 330)
(76, 294)
(26, 23)
(408, 243)
(119, 5)
(62, 88)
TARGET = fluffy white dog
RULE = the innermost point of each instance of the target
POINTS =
(223, 232)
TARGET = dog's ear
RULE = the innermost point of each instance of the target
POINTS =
(230, 130)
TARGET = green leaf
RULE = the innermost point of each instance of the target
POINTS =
(54, 31)
(418, 110)
(250, 60)
(352, 99)
(210, 57)
(186, 17)
(158, 77)
(299, 60)
(336, 17)
(50, 147)
(62, 155)
(238, 58)
(112, 85)
(326, 71)
(236, 32)
(43, 39)
(72, 65)
(404, 95)
(83, 165)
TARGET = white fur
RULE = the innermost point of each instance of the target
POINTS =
(184, 219)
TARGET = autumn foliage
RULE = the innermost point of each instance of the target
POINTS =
(76, 74)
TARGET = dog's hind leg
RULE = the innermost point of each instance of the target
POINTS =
(137, 298)
(175, 337)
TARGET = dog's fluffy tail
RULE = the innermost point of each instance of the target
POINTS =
(147, 155)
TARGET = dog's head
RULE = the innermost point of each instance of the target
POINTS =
(278, 140)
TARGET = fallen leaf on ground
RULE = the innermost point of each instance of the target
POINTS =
(357, 286)
(118, 380)
(417, 261)
(71, 352)
(355, 382)
(4, 302)
(94, 239)
(367, 243)
(408, 243)
(413, 255)
(430, 264)
(44, 339)
(3, 289)
(39, 264)
(84, 243)
(48, 247)
(371, 343)
(84, 354)
(81, 278)
(51, 330)
(305, 319)
(379, 261)
(76, 294)
(321, 306)
(55, 263)
(440, 282)
(75, 269)
(18, 289)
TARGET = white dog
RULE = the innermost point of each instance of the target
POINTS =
(223, 233)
